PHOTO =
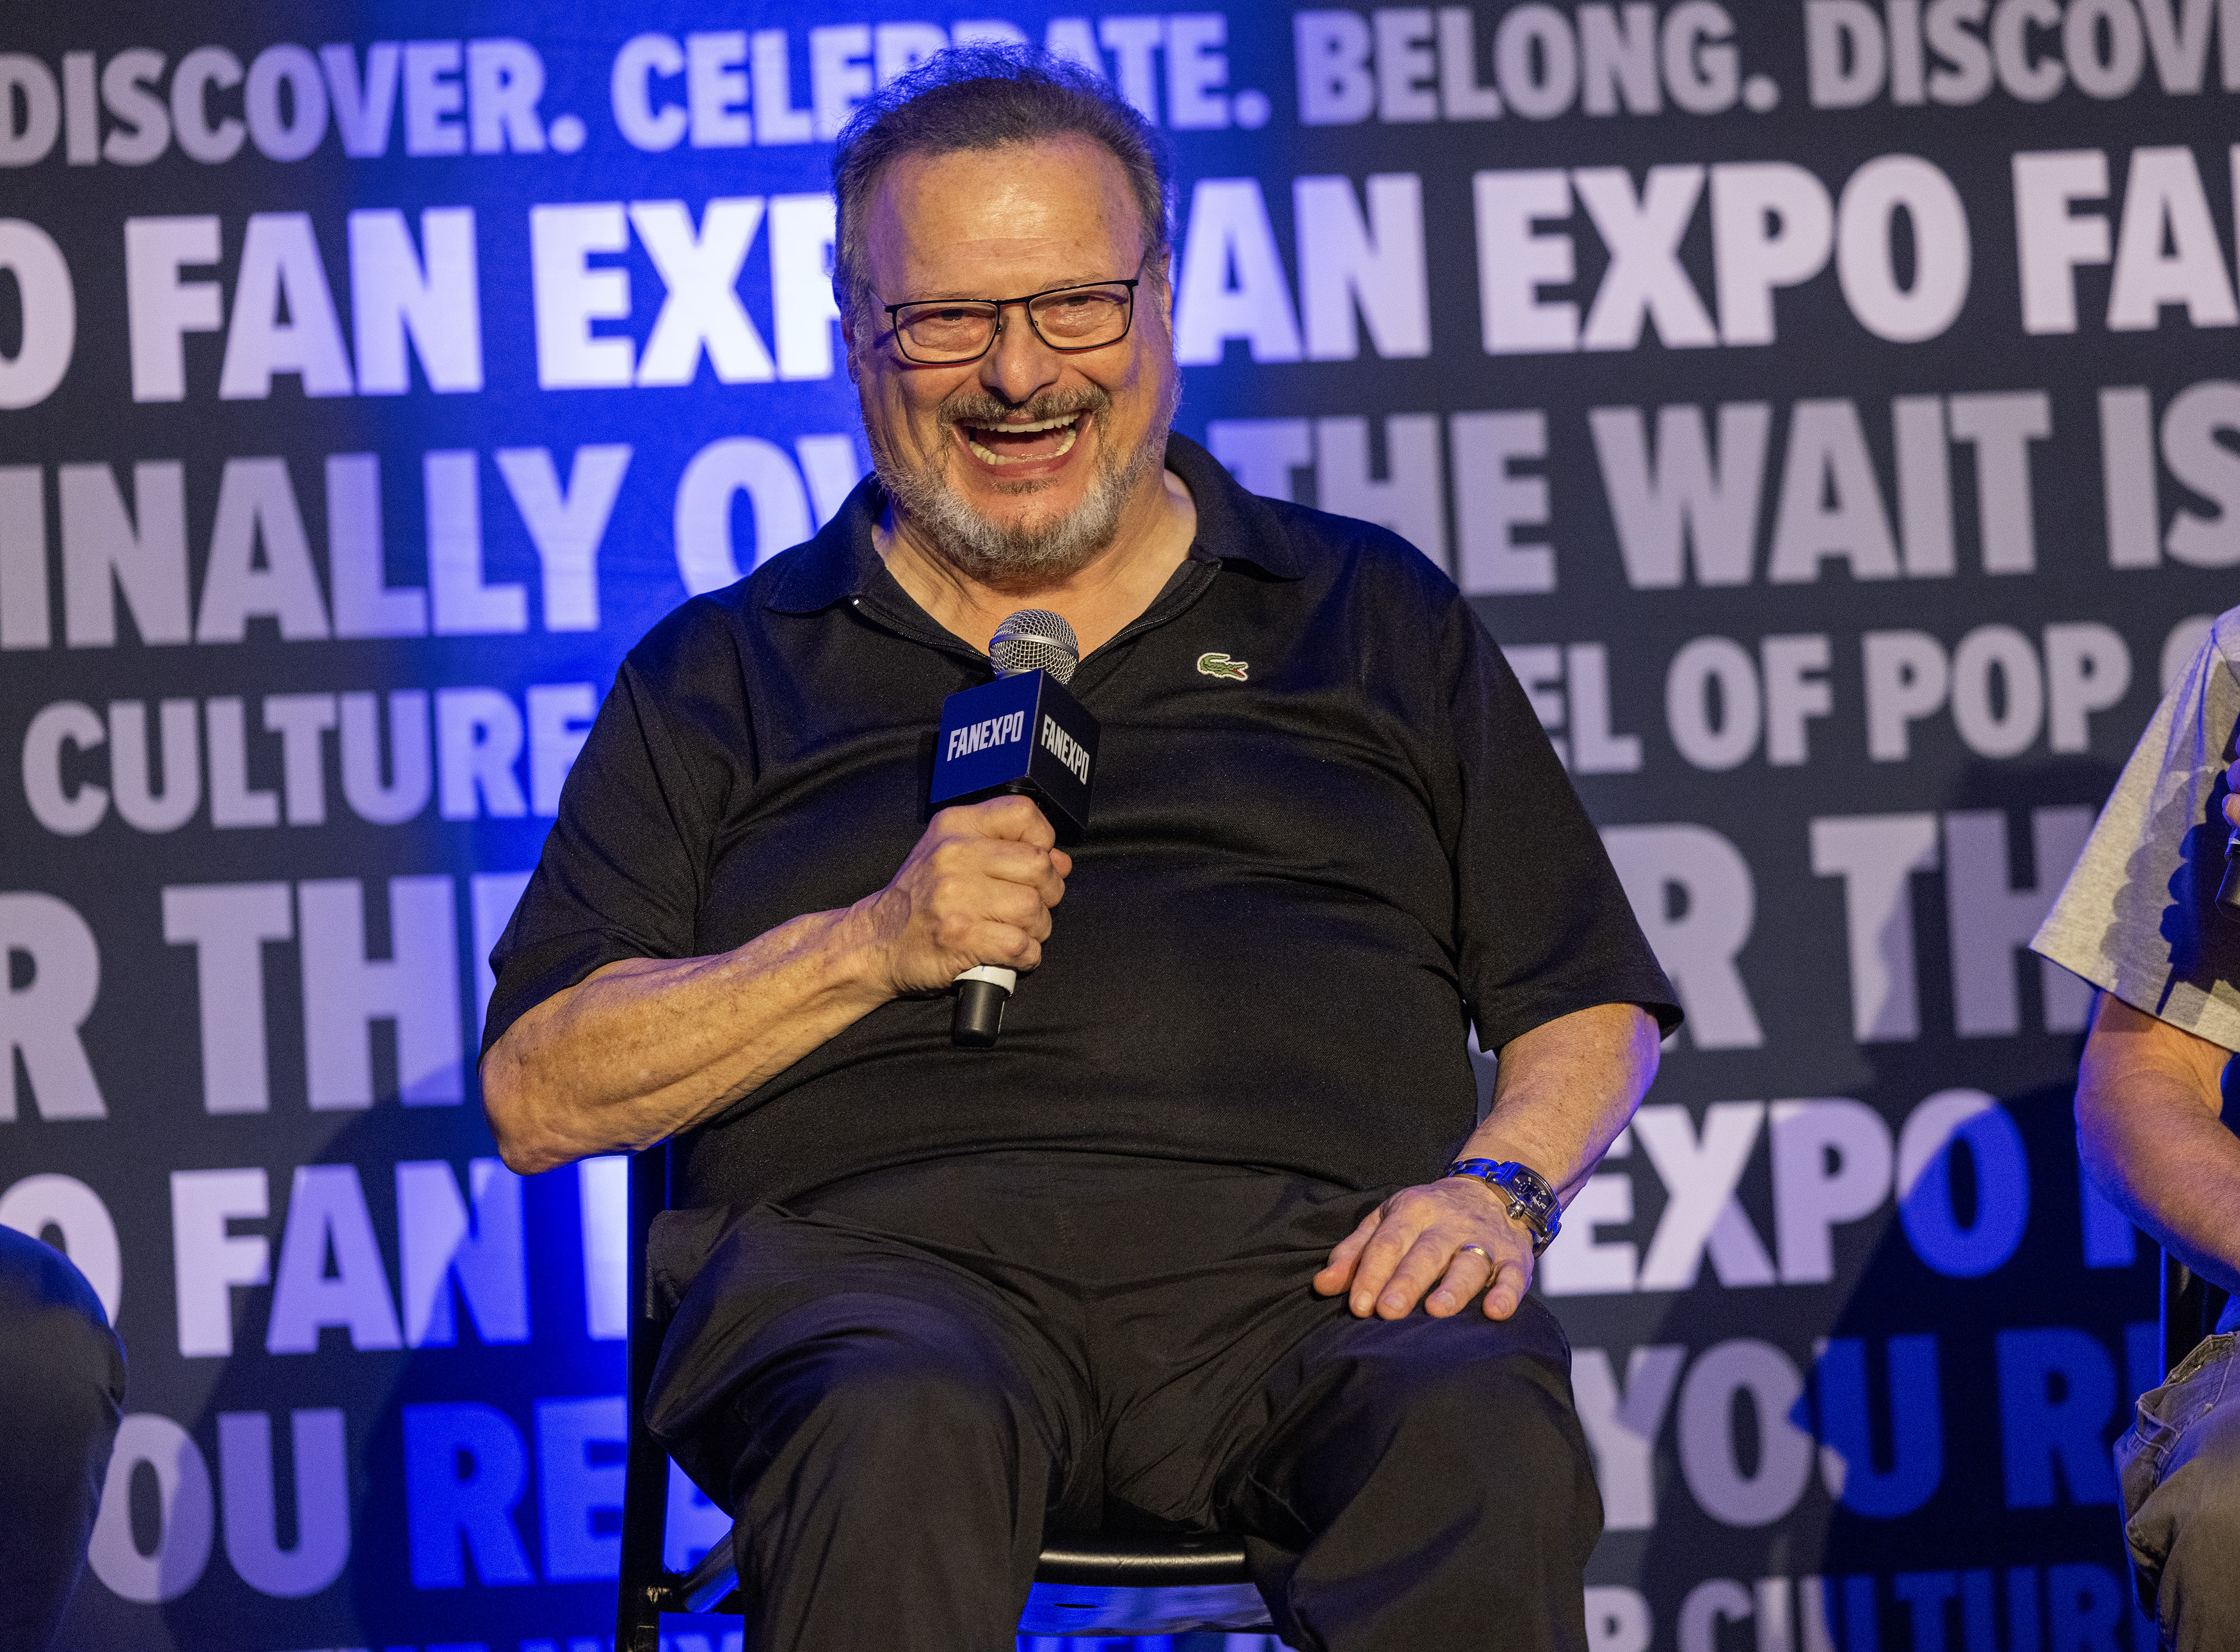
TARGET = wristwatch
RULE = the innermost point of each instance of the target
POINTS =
(1531, 1201)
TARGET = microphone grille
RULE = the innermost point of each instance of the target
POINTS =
(1034, 639)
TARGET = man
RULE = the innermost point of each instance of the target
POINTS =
(930, 1303)
(62, 1393)
(2139, 919)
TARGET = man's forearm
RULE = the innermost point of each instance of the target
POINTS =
(2148, 1126)
(643, 1048)
(1566, 1088)
(1564, 1091)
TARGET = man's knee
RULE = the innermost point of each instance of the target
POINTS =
(2198, 1507)
(881, 1383)
(1452, 1377)
(914, 1377)
(884, 1428)
(2181, 1499)
(1479, 1403)
(1421, 1461)
(2197, 1596)
(2211, 1528)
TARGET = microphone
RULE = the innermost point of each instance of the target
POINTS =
(1021, 735)
(2228, 892)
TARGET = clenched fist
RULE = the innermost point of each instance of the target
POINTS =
(977, 888)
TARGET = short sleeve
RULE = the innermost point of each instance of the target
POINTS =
(621, 871)
(1544, 923)
(2138, 915)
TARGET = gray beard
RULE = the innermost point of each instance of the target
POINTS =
(1040, 547)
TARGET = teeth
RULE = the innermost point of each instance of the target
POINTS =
(1064, 447)
(1028, 430)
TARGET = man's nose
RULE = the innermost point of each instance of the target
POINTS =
(1020, 364)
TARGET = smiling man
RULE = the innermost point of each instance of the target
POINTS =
(1214, 1239)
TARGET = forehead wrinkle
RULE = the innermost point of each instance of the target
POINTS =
(1079, 280)
(977, 224)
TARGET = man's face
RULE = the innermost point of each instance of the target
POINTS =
(957, 446)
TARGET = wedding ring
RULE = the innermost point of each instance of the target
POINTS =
(1480, 1250)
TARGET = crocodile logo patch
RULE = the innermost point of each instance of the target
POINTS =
(1221, 665)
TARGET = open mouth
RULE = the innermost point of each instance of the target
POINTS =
(1022, 442)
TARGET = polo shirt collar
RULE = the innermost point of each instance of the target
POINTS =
(1232, 525)
(841, 562)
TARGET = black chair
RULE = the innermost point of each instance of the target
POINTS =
(1087, 1583)
(2191, 1307)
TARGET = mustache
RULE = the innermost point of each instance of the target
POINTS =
(982, 411)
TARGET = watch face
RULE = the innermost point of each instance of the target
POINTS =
(1531, 1201)
(1526, 1186)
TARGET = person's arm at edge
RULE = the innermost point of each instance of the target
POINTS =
(643, 1047)
(2149, 1098)
(1563, 1092)
(2148, 1126)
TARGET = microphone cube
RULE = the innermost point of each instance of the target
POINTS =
(1022, 735)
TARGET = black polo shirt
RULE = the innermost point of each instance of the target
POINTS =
(1305, 873)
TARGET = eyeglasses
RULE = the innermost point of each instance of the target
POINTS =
(948, 332)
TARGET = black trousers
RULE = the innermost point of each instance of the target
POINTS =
(898, 1385)
(62, 1393)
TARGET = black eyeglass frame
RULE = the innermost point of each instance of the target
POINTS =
(1002, 305)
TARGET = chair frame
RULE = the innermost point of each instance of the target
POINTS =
(648, 1587)
(1086, 1585)
(2190, 1309)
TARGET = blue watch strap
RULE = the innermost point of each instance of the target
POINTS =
(1531, 1201)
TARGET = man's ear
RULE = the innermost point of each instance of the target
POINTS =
(1162, 292)
(847, 333)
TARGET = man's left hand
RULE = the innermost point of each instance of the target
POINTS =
(1414, 1243)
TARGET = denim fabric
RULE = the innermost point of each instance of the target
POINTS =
(2179, 1465)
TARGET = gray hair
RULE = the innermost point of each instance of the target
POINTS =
(983, 97)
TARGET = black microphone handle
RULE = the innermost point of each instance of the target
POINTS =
(978, 1015)
(2228, 892)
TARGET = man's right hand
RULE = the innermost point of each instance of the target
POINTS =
(643, 1047)
(977, 888)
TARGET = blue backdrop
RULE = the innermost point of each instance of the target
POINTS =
(1822, 403)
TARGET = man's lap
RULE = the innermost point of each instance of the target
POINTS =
(2180, 1469)
(1161, 1316)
